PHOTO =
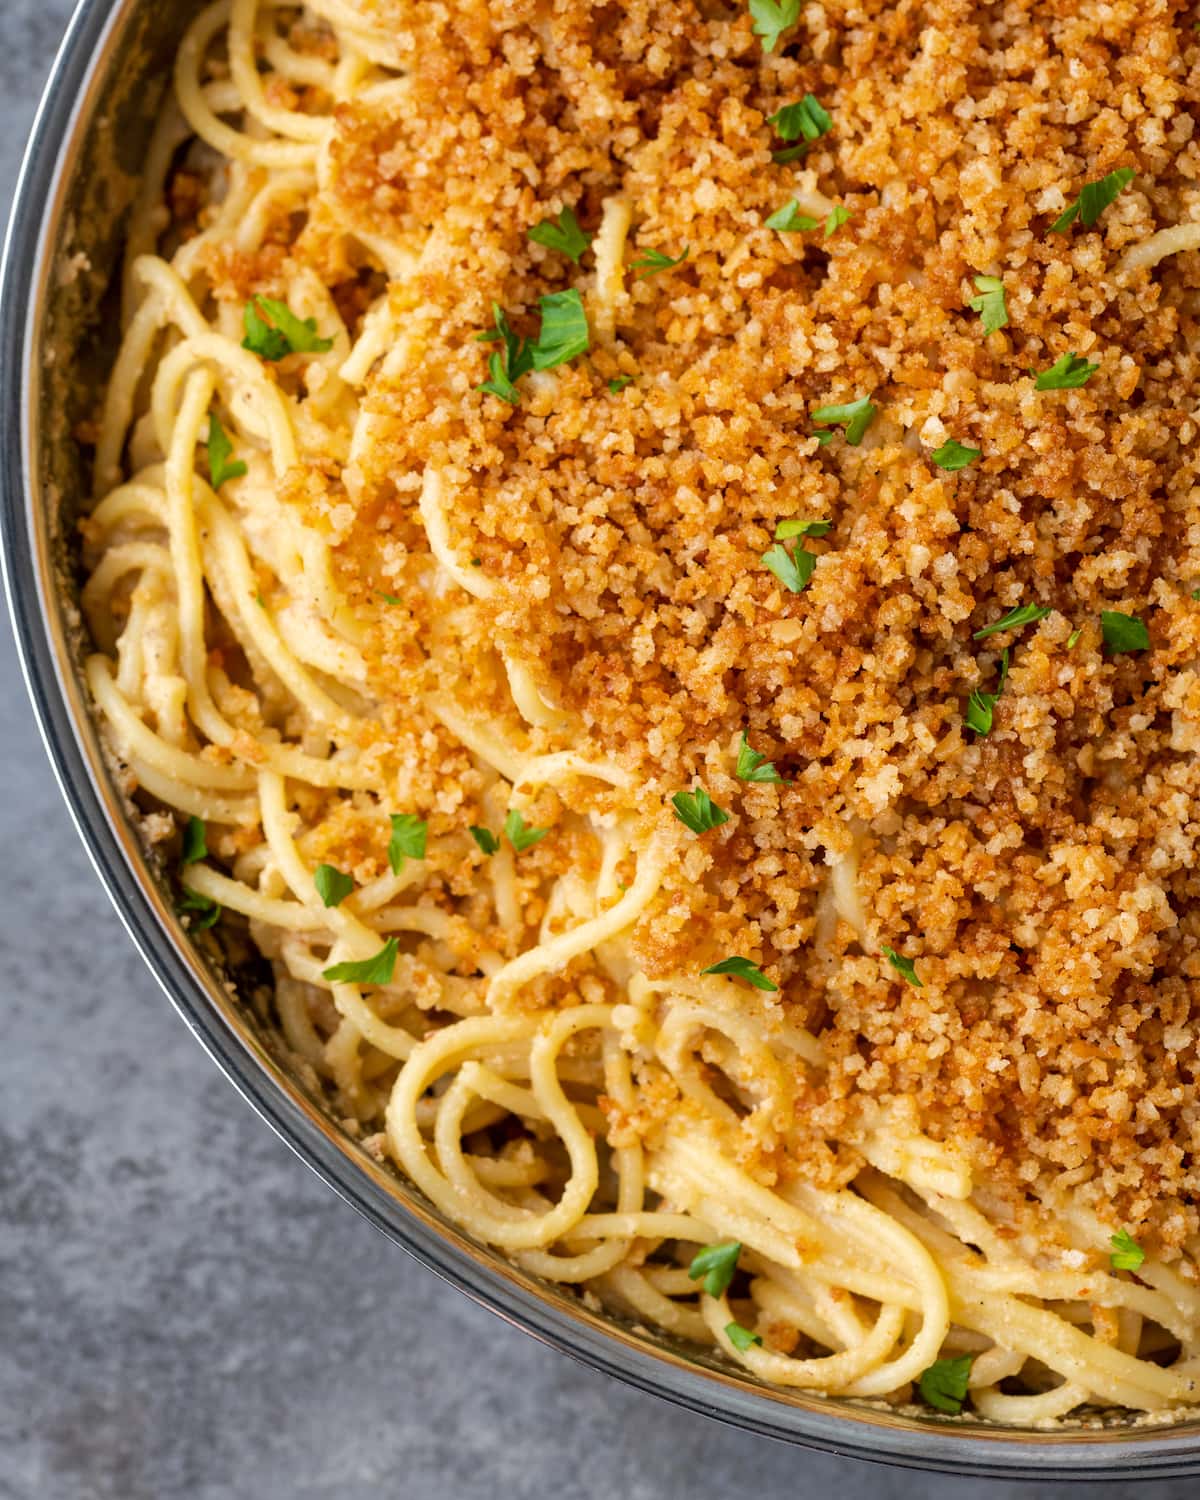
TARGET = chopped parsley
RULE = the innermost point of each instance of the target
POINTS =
(697, 810)
(519, 834)
(618, 383)
(854, 417)
(564, 331)
(564, 236)
(944, 1384)
(716, 1263)
(1073, 638)
(283, 334)
(742, 968)
(332, 885)
(838, 215)
(741, 1338)
(789, 219)
(389, 598)
(990, 303)
(793, 569)
(205, 912)
(506, 366)
(376, 970)
(1127, 1254)
(195, 845)
(1123, 632)
(981, 706)
(905, 966)
(1015, 619)
(953, 455)
(486, 840)
(751, 766)
(790, 528)
(651, 262)
(772, 18)
(1065, 374)
(407, 840)
(219, 449)
(805, 118)
(1093, 200)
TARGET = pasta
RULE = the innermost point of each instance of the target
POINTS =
(512, 689)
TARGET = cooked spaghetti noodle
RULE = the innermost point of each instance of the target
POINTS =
(593, 725)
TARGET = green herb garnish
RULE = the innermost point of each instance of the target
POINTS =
(407, 840)
(990, 304)
(742, 968)
(806, 119)
(195, 844)
(944, 1384)
(854, 417)
(651, 262)
(953, 455)
(905, 966)
(793, 569)
(1127, 1254)
(789, 219)
(519, 834)
(486, 840)
(981, 706)
(283, 334)
(785, 530)
(1093, 200)
(564, 236)
(1015, 619)
(1065, 374)
(751, 766)
(772, 18)
(618, 383)
(219, 449)
(716, 1263)
(697, 810)
(741, 1338)
(564, 331)
(332, 885)
(376, 970)
(838, 215)
(1123, 632)
(205, 911)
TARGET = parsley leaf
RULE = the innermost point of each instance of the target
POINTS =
(283, 334)
(519, 834)
(1123, 632)
(772, 18)
(854, 416)
(332, 885)
(1093, 200)
(1015, 619)
(1073, 638)
(505, 368)
(787, 529)
(618, 383)
(741, 1338)
(407, 840)
(793, 569)
(564, 331)
(751, 766)
(389, 598)
(195, 845)
(953, 455)
(838, 215)
(207, 911)
(789, 219)
(944, 1384)
(376, 970)
(805, 118)
(697, 810)
(716, 1263)
(1127, 1254)
(651, 262)
(565, 236)
(905, 966)
(219, 449)
(981, 706)
(498, 382)
(990, 304)
(486, 840)
(1065, 374)
(742, 968)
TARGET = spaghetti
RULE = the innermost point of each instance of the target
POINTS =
(489, 705)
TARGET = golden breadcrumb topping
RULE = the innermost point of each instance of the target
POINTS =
(1042, 877)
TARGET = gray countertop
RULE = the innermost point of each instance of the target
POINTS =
(184, 1310)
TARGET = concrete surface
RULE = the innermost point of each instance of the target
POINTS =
(184, 1310)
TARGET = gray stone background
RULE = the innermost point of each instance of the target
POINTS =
(184, 1310)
